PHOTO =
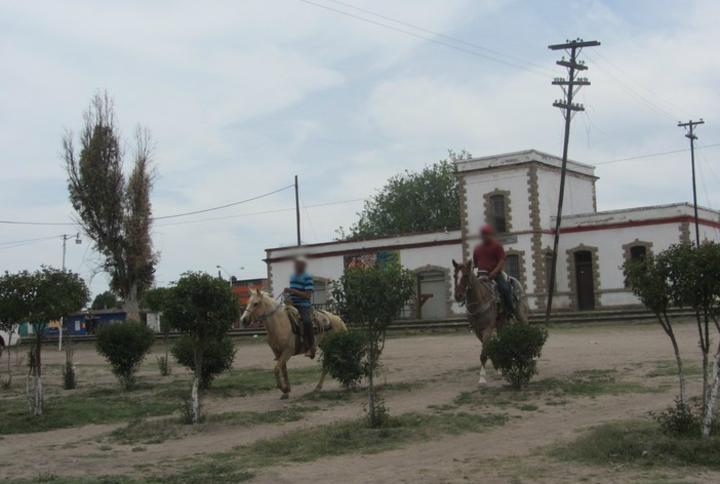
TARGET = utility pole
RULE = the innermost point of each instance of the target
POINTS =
(570, 87)
(690, 134)
(297, 211)
(65, 238)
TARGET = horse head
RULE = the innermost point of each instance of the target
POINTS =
(461, 276)
(254, 308)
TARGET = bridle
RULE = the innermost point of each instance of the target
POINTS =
(278, 305)
(475, 308)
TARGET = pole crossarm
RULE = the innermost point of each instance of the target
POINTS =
(690, 134)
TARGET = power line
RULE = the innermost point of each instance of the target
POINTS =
(444, 36)
(651, 155)
(38, 239)
(163, 217)
(426, 38)
(227, 205)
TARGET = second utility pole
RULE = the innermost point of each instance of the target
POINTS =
(570, 87)
(297, 211)
(691, 135)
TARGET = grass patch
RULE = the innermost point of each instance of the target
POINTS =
(640, 443)
(555, 391)
(669, 368)
(240, 383)
(75, 410)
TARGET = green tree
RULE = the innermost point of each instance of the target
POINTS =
(53, 294)
(125, 346)
(114, 212)
(413, 202)
(515, 349)
(693, 277)
(649, 283)
(370, 298)
(104, 300)
(218, 356)
(155, 300)
(15, 305)
(203, 308)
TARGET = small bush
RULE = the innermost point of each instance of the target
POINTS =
(69, 380)
(218, 356)
(344, 357)
(125, 345)
(514, 351)
(164, 365)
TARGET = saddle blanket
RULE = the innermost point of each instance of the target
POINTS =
(321, 320)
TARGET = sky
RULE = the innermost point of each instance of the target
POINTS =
(242, 95)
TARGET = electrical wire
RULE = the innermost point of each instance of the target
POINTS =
(38, 239)
(426, 38)
(651, 155)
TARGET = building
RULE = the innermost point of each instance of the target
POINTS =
(518, 194)
(242, 288)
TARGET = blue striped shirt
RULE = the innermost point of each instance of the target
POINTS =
(302, 282)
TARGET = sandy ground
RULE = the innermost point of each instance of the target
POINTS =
(444, 364)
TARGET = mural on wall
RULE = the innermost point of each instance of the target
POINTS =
(379, 258)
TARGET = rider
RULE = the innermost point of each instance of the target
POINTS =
(489, 256)
(300, 292)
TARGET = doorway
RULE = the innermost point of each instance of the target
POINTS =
(584, 280)
(432, 295)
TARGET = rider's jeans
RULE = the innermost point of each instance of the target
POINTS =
(505, 291)
(308, 333)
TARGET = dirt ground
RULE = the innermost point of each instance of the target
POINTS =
(441, 367)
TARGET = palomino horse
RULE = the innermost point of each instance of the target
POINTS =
(281, 338)
(480, 299)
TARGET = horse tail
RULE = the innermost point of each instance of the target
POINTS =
(520, 304)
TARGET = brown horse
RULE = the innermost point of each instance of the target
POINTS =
(481, 302)
(281, 338)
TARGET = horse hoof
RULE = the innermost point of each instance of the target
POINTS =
(482, 381)
(284, 396)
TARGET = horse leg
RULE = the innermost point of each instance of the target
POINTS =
(281, 373)
(319, 386)
(286, 378)
(484, 337)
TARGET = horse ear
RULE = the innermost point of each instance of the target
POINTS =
(455, 264)
(468, 264)
(257, 291)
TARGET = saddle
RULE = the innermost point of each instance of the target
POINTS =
(320, 319)
(515, 293)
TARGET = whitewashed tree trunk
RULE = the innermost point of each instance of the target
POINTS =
(712, 397)
(38, 403)
(131, 304)
(195, 396)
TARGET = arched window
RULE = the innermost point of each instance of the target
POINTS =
(638, 252)
(498, 212)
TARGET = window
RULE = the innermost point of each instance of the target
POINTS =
(512, 266)
(497, 213)
(638, 252)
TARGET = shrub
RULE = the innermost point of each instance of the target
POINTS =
(125, 345)
(218, 356)
(164, 365)
(514, 351)
(344, 357)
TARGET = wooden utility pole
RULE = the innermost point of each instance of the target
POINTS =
(570, 87)
(297, 211)
(690, 134)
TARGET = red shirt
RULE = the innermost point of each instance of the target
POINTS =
(487, 256)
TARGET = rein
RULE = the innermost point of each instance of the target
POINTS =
(277, 307)
(483, 307)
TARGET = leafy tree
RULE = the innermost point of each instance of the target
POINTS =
(15, 305)
(371, 298)
(52, 294)
(125, 346)
(218, 356)
(693, 275)
(514, 350)
(344, 356)
(204, 308)
(104, 300)
(114, 212)
(649, 282)
(155, 300)
(413, 202)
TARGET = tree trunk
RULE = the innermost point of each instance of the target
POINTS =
(678, 360)
(37, 378)
(195, 395)
(9, 368)
(131, 304)
(712, 397)
(372, 405)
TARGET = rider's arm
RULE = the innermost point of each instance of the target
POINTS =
(301, 294)
(501, 262)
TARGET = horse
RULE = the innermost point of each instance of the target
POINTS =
(280, 335)
(480, 298)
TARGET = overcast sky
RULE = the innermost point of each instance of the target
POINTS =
(242, 95)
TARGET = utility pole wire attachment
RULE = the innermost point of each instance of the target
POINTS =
(570, 87)
(690, 134)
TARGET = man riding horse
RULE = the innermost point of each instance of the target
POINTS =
(300, 293)
(489, 258)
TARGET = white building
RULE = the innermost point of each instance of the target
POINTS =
(518, 194)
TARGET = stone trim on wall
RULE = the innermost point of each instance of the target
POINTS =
(684, 232)
(536, 254)
(448, 286)
(508, 210)
(464, 223)
(571, 274)
(269, 275)
(521, 265)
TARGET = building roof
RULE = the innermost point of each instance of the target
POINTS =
(651, 214)
(521, 157)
